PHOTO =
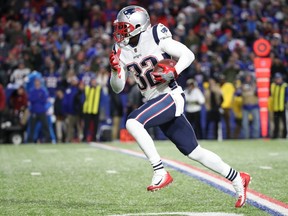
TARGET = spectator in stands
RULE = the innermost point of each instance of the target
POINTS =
(206, 65)
(4, 48)
(73, 120)
(215, 24)
(35, 56)
(32, 26)
(44, 28)
(198, 75)
(250, 107)
(19, 74)
(228, 90)
(68, 12)
(38, 99)
(192, 40)
(213, 100)
(61, 28)
(25, 11)
(135, 98)
(278, 67)
(231, 68)
(279, 95)
(91, 110)
(103, 78)
(77, 31)
(14, 33)
(52, 79)
(2, 105)
(60, 125)
(78, 107)
(194, 101)
(86, 74)
(237, 109)
(72, 65)
(116, 112)
(18, 100)
(4, 53)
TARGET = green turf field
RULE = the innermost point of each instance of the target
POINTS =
(77, 179)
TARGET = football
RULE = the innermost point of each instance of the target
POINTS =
(168, 62)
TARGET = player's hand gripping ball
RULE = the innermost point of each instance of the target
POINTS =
(164, 70)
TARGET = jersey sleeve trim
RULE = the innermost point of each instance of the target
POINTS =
(166, 56)
(155, 34)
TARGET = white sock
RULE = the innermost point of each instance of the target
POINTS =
(144, 140)
(213, 162)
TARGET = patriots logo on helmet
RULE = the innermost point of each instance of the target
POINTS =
(130, 11)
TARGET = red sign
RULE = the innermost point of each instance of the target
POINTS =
(262, 65)
(262, 47)
(262, 71)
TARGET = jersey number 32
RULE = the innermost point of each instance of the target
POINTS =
(143, 71)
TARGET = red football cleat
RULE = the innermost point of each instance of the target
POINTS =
(160, 181)
(242, 193)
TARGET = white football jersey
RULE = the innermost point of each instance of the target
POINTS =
(141, 59)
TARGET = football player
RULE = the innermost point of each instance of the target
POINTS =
(138, 48)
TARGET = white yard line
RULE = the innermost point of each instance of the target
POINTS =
(36, 173)
(183, 214)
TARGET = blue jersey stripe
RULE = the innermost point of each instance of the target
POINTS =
(155, 35)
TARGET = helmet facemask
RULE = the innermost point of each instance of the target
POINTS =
(122, 32)
(131, 21)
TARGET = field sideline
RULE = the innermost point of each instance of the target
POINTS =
(79, 179)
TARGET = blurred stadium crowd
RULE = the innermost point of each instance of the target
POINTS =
(65, 45)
